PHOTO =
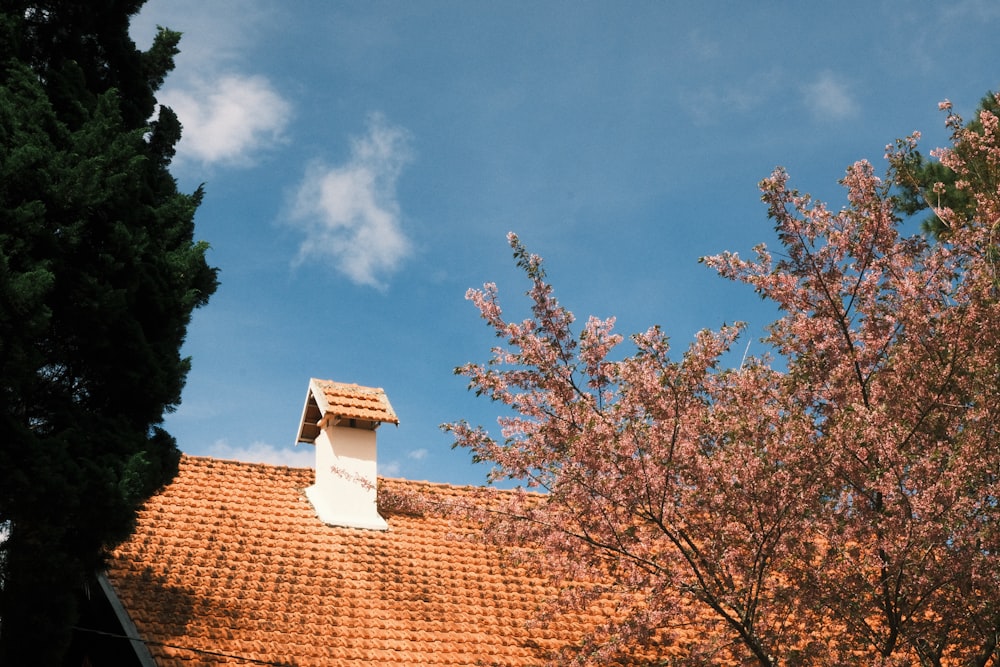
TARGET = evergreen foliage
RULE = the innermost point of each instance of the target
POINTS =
(99, 275)
(919, 175)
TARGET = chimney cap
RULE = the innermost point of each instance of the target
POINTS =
(338, 402)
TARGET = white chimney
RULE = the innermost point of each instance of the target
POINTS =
(340, 421)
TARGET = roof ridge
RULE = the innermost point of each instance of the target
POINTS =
(202, 458)
(230, 557)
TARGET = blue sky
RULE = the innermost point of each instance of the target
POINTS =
(364, 161)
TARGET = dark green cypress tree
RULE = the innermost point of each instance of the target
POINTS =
(99, 275)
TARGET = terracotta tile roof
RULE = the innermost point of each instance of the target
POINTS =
(230, 565)
(231, 559)
(354, 401)
(343, 401)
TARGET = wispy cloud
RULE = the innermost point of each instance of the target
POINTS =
(300, 456)
(703, 46)
(350, 213)
(977, 10)
(230, 116)
(389, 469)
(261, 452)
(829, 97)
(713, 103)
(228, 120)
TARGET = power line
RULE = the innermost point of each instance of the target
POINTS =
(150, 642)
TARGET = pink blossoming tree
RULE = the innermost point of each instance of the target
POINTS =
(835, 503)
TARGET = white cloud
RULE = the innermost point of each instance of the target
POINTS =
(350, 213)
(214, 33)
(714, 102)
(829, 97)
(389, 469)
(703, 47)
(261, 452)
(977, 10)
(299, 456)
(229, 115)
(229, 119)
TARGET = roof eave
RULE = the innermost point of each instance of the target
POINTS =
(142, 653)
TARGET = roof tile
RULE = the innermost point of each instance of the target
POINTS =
(353, 401)
(229, 558)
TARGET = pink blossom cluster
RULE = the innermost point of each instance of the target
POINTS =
(835, 502)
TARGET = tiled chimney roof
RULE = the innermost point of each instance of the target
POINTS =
(329, 402)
